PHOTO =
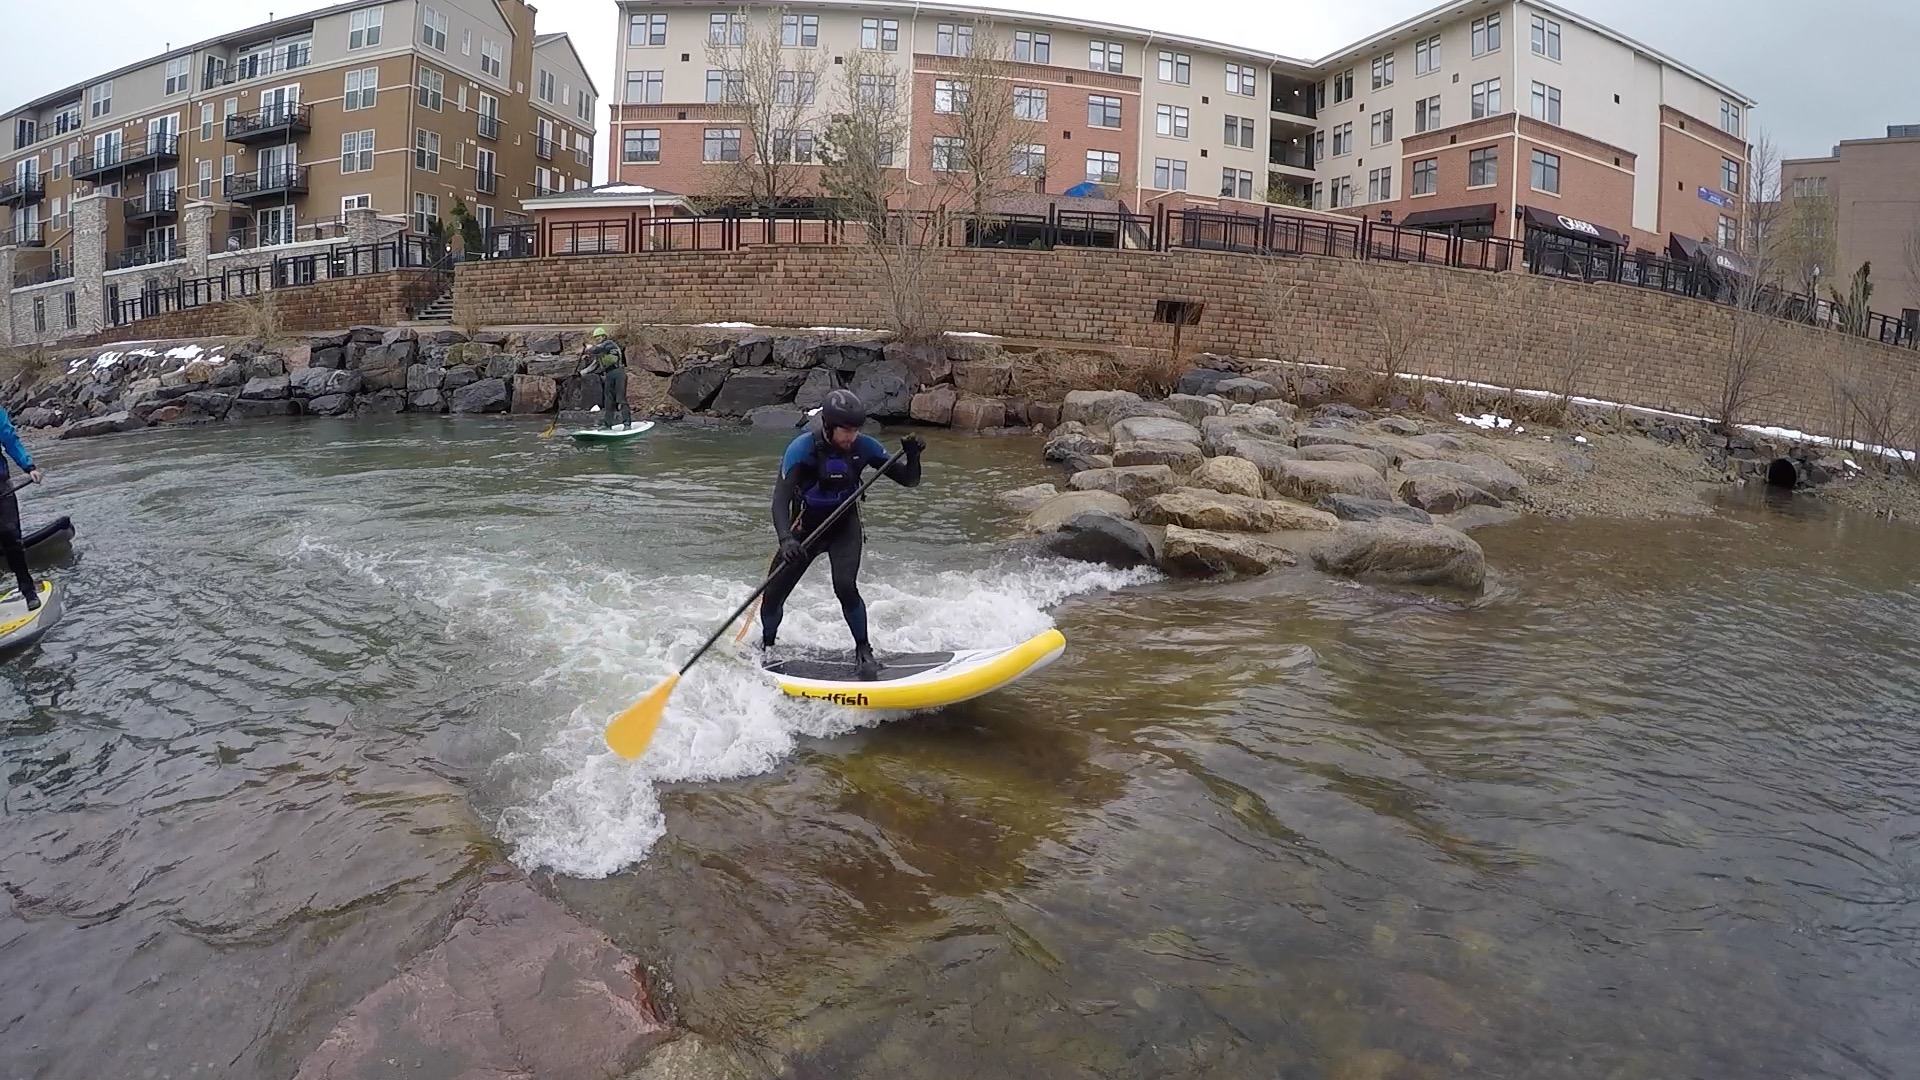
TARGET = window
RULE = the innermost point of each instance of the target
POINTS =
(1236, 184)
(426, 211)
(177, 75)
(882, 34)
(879, 90)
(1030, 102)
(490, 111)
(1341, 192)
(1342, 140)
(206, 122)
(800, 30)
(793, 146)
(1240, 80)
(1103, 112)
(950, 95)
(1546, 103)
(1106, 56)
(433, 87)
(362, 85)
(1103, 166)
(792, 87)
(1546, 37)
(226, 173)
(1380, 186)
(100, 100)
(1029, 159)
(72, 315)
(426, 150)
(1729, 117)
(433, 29)
(1729, 232)
(363, 29)
(721, 144)
(1343, 86)
(356, 152)
(1176, 67)
(548, 85)
(1483, 167)
(492, 55)
(1426, 175)
(1486, 35)
(1809, 187)
(726, 85)
(727, 28)
(647, 29)
(949, 153)
(1239, 131)
(1730, 176)
(39, 314)
(1546, 172)
(1032, 48)
(1426, 56)
(1171, 121)
(646, 87)
(1383, 71)
(484, 215)
(1486, 98)
(1426, 115)
(1383, 127)
(206, 179)
(1319, 146)
(486, 177)
(953, 39)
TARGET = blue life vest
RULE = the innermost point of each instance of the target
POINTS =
(835, 480)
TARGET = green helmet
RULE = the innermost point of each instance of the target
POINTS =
(599, 331)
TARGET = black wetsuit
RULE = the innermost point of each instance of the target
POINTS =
(612, 361)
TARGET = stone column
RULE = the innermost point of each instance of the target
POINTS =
(9, 261)
(363, 226)
(90, 262)
(196, 236)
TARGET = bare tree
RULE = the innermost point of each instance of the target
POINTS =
(978, 108)
(766, 89)
(1910, 261)
(1400, 327)
(1748, 375)
(1806, 249)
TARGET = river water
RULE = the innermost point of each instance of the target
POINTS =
(1649, 809)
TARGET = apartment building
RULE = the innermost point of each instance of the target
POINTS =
(1482, 117)
(269, 135)
(1869, 191)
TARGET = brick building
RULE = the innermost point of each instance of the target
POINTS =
(1872, 191)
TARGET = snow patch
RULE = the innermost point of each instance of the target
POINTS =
(728, 325)
(185, 352)
(839, 330)
(625, 189)
(1581, 439)
(1486, 421)
(970, 333)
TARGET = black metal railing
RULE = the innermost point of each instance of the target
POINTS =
(489, 127)
(543, 149)
(291, 119)
(25, 234)
(272, 180)
(155, 149)
(145, 255)
(54, 270)
(30, 188)
(285, 58)
(289, 271)
(512, 242)
(153, 204)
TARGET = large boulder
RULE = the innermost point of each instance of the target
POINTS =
(384, 367)
(1072, 439)
(1196, 553)
(796, 352)
(547, 342)
(39, 417)
(504, 366)
(1100, 536)
(987, 378)
(266, 367)
(1230, 476)
(1441, 443)
(1444, 494)
(887, 389)
(254, 409)
(308, 382)
(1353, 508)
(1028, 499)
(424, 377)
(474, 354)
(974, 413)
(777, 417)
(1196, 410)
(428, 401)
(211, 402)
(485, 396)
(1508, 483)
(331, 405)
(1388, 446)
(1372, 459)
(1266, 454)
(754, 350)
(1260, 422)
(381, 403)
(747, 389)
(1194, 508)
(848, 355)
(533, 393)
(1245, 391)
(1134, 483)
(1060, 509)
(1393, 552)
(818, 384)
(1199, 382)
(1143, 428)
(934, 405)
(328, 356)
(1307, 481)
(102, 425)
(928, 364)
(267, 388)
(1093, 407)
(232, 373)
(652, 358)
(1501, 488)
(553, 367)
(1182, 457)
(1397, 425)
(697, 384)
(458, 376)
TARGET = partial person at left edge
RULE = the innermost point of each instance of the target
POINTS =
(11, 543)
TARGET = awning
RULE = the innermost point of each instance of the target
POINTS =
(1457, 215)
(1689, 250)
(1571, 227)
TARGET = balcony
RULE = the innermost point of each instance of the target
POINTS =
(153, 205)
(28, 234)
(543, 149)
(145, 255)
(489, 127)
(256, 65)
(1291, 153)
(18, 191)
(486, 183)
(275, 123)
(156, 151)
(1293, 100)
(274, 182)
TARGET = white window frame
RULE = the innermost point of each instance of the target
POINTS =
(363, 28)
(1380, 185)
(1426, 115)
(180, 72)
(1029, 102)
(1033, 47)
(426, 211)
(652, 87)
(1729, 176)
(651, 27)
(1171, 121)
(949, 153)
(363, 201)
(719, 137)
(1383, 127)
(1029, 159)
(433, 28)
(356, 149)
(1110, 107)
(100, 100)
(951, 95)
(493, 59)
(1485, 97)
(1243, 80)
(426, 150)
(430, 89)
(362, 89)
(953, 39)
(1729, 117)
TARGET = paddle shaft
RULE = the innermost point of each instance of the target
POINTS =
(818, 531)
(25, 479)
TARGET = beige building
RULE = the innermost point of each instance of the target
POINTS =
(269, 136)
(1871, 194)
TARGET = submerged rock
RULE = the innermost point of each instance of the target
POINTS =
(1060, 509)
(1196, 553)
(1101, 536)
(1394, 552)
(1028, 499)
(1072, 439)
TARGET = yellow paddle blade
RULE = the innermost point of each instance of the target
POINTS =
(631, 731)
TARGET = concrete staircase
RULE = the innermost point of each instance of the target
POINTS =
(440, 311)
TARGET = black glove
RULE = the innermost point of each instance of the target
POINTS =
(913, 444)
(791, 550)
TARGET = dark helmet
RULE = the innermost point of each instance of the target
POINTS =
(842, 408)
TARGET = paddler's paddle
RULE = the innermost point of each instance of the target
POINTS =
(25, 479)
(631, 731)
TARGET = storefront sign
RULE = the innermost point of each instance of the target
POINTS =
(1576, 225)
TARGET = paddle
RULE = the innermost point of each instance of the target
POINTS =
(631, 731)
(25, 479)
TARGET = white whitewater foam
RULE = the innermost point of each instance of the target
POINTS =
(607, 637)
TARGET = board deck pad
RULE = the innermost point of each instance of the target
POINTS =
(909, 681)
(618, 431)
(841, 668)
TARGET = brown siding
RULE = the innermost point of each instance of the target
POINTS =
(1691, 152)
(1876, 206)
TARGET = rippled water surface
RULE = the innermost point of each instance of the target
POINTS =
(1648, 810)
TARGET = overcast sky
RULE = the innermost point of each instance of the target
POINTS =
(1838, 69)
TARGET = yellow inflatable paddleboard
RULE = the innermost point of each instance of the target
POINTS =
(20, 627)
(919, 680)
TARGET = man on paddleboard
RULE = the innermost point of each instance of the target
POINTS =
(607, 358)
(10, 542)
(821, 470)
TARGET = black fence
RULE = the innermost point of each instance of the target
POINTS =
(287, 271)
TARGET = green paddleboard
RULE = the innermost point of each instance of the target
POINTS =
(615, 433)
